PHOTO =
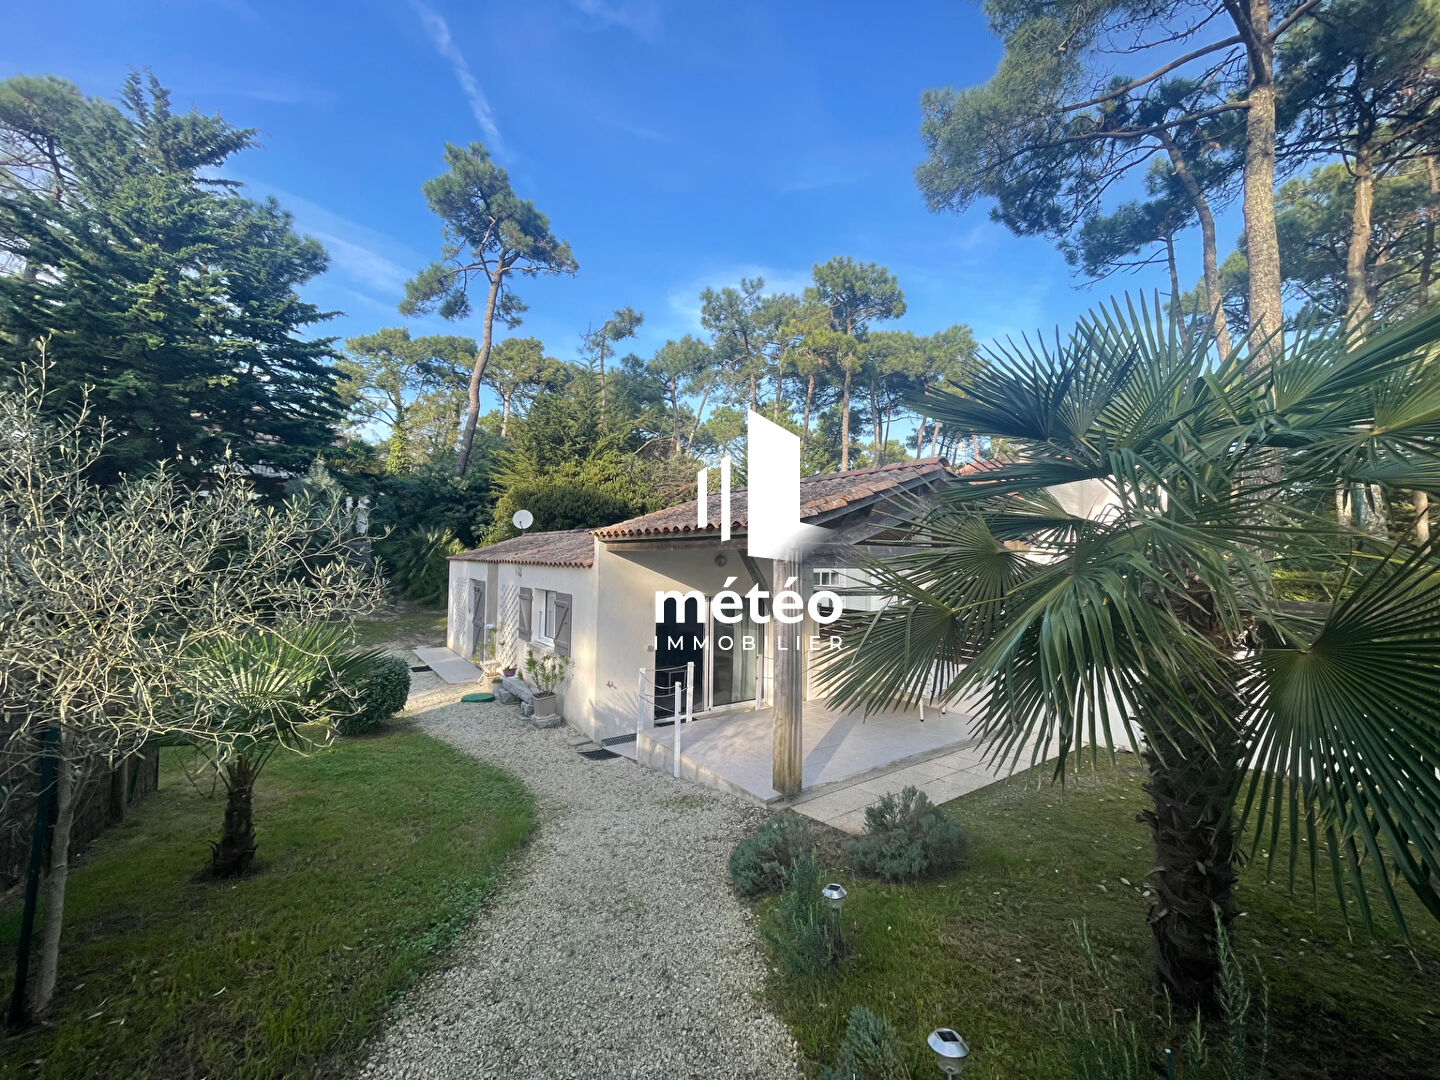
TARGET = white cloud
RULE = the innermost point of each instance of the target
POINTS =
(640, 17)
(357, 252)
(285, 92)
(364, 265)
(682, 314)
(438, 31)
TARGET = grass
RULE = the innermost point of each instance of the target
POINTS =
(371, 857)
(992, 950)
(403, 626)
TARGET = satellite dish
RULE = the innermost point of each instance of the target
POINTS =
(523, 519)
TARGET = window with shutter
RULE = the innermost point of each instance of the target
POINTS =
(523, 629)
(562, 624)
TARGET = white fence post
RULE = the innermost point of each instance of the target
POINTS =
(675, 722)
(690, 691)
(639, 711)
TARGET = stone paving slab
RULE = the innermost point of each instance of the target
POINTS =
(942, 778)
(448, 665)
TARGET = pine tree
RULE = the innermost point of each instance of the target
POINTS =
(155, 283)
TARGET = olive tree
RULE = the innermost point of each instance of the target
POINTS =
(105, 594)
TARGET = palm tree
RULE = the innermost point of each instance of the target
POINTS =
(1158, 615)
(272, 688)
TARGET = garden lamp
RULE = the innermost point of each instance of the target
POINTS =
(835, 893)
(949, 1049)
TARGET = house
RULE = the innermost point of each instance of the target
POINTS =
(591, 596)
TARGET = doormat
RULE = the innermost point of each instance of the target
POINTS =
(419, 667)
(598, 755)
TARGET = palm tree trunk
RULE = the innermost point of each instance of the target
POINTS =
(1422, 517)
(232, 856)
(1192, 827)
(1193, 782)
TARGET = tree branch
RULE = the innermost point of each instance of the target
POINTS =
(1164, 70)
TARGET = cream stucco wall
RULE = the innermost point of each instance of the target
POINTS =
(626, 629)
(503, 579)
(613, 611)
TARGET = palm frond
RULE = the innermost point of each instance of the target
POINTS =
(1348, 715)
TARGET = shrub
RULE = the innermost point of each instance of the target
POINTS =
(1234, 1046)
(419, 562)
(869, 1051)
(907, 837)
(804, 932)
(759, 862)
(378, 692)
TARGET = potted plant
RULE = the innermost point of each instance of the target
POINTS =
(545, 672)
(504, 640)
(486, 657)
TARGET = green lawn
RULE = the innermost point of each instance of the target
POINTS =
(403, 626)
(991, 950)
(371, 856)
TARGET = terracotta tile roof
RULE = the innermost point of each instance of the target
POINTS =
(570, 547)
(818, 495)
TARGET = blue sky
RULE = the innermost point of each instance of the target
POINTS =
(676, 145)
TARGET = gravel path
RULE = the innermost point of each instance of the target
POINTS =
(618, 949)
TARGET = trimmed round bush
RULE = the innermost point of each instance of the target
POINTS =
(759, 863)
(907, 837)
(379, 692)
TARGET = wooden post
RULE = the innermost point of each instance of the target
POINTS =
(788, 753)
(120, 791)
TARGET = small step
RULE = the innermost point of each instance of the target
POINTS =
(593, 751)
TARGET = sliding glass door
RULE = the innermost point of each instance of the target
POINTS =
(734, 650)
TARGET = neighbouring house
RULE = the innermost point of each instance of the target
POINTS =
(590, 595)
